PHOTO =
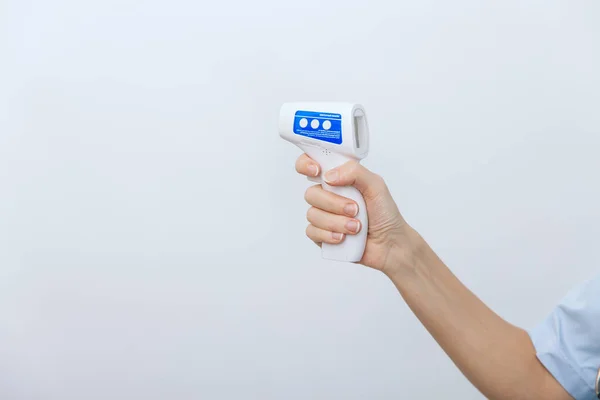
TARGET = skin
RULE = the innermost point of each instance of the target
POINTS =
(497, 357)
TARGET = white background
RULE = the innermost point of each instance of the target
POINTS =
(152, 225)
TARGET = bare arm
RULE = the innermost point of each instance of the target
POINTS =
(497, 357)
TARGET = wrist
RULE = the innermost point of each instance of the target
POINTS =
(406, 257)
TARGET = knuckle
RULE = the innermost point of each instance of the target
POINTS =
(352, 167)
(354, 164)
(378, 179)
(378, 182)
(308, 230)
(307, 194)
(313, 234)
(330, 224)
(310, 193)
(310, 214)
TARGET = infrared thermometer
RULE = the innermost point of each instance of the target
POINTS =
(332, 134)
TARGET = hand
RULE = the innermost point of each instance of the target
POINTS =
(331, 216)
(509, 368)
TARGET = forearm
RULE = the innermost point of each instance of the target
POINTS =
(497, 357)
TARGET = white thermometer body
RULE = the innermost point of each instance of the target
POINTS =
(332, 134)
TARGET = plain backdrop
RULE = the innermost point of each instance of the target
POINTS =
(152, 225)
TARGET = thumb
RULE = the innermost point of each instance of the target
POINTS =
(354, 174)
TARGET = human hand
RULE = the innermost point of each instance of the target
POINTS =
(390, 240)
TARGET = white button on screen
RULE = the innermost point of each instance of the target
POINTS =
(314, 123)
(303, 123)
(326, 125)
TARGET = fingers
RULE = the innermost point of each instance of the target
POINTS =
(354, 174)
(351, 173)
(332, 222)
(320, 198)
(319, 236)
(306, 166)
(330, 217)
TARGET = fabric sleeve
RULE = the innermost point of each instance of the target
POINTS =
(567, 342)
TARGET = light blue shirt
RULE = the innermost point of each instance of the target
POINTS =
(567, 342)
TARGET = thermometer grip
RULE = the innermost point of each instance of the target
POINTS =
(351, 249)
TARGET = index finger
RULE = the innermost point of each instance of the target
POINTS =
(307, 166)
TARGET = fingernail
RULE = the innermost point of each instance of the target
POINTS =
(351, 209)
(353, 225)
(332, 176)
(337, 236)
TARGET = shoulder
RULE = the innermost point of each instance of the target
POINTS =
(567, 341)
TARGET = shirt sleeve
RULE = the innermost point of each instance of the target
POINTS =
(567, 342)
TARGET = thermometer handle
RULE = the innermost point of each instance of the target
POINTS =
(353, 246)
(351, 249)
